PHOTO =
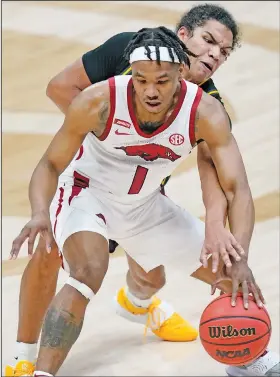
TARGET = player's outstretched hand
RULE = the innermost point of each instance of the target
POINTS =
(220, 243)
(241, 276)
(40, 223)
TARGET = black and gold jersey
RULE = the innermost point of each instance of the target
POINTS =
(107, 60)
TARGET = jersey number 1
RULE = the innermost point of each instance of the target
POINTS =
(138, 180)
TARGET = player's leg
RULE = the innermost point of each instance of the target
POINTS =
(142, 284)
(138, 296)
(159, 236)
(81, 234)
(87, 257)
(137, 302)
(146, 284)
(38, 285)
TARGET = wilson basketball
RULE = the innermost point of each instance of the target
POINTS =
(234, 335)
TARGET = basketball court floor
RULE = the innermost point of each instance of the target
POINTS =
(40, 39)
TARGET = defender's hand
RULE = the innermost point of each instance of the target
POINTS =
(241, 275)
(220, 243)
(40, 223)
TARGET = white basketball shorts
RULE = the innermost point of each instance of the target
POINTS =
(153, 231)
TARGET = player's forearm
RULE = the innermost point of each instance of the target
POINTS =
(62, 95)
(241, 215)
(42, 187)
(213, 196)
(215, 202)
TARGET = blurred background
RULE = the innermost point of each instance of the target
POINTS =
(39, 38)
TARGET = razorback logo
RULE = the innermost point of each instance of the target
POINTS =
(121, 122)
(150, 152)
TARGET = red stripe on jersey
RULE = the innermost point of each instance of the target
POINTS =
(81, 151)
(170, 119)
(112, 87)
(192, 116)
(80, 182)
(59, 207)
(75, 192)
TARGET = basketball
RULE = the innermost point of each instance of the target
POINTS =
(234, 335)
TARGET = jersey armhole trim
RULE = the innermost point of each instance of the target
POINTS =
(192, 116)
(213, 92)
(112, 87)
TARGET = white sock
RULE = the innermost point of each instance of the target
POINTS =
(137, 301)
(165, 310)
(26, 351)
(39, 373)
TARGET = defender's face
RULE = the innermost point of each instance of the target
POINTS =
(212, 42)
(155, 85)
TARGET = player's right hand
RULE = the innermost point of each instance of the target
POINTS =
(40, 223)
(241, 277)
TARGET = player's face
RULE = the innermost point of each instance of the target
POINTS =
(155, 85)
(212, 42)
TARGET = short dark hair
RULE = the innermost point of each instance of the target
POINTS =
(158, 37)
(200, 14)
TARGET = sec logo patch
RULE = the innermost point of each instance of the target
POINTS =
(176, 139)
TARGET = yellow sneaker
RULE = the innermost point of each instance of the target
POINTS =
(173, 329)
(22, 368)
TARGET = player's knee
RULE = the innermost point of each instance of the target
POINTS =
(81, 287)
(91, 273)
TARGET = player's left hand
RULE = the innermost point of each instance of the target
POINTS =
(220, 243)
(39, 223)
(241, 276)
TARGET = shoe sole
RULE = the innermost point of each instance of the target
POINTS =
(236, 372)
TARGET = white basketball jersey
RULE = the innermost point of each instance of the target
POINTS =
(127, 164)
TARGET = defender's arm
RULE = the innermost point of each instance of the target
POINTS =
(212, 125)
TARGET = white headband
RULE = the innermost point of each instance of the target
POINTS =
(140, 53)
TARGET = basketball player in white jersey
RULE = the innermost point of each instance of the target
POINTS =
(107, 178)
